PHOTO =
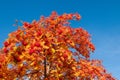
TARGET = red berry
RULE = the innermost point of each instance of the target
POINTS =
(65, 55)
(61, 17)
(5, 50)
(26, 24)
(31, 51)
(59, 64)
(29, 26)
(37, 44)
(60, 31)
(32, 46)
(24, 43)
(19, 52)
(49, 53)
(39, 33)
(77, 16)
(6, 43)
(0, 67)
(18, 59)
(2, 58)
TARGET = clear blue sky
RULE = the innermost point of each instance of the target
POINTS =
(101, 18)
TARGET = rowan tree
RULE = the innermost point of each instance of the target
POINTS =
(50, 49)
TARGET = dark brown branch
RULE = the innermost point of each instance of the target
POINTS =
(45, 73)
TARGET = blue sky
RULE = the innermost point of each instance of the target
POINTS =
(101, 18)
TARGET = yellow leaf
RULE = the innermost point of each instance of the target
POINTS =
(32, 64)
(21, 65)
(73, 68)
(53, 50)
(69, 56)
(42, 43)
(36, 68)
(48, 35)
(60, 75)
(46, 47)
(21, 57)
(77, 74)
(15, 48)
(72, 44)
(27, 46)
(62, 59)
(53, 71)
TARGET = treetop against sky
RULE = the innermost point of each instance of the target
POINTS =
(50, 49)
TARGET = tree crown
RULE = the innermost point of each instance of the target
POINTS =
(50, 49)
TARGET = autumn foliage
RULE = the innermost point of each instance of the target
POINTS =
(50, 49)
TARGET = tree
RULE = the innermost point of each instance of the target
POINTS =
(50, 49)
